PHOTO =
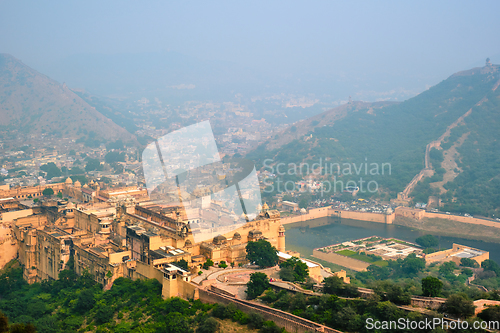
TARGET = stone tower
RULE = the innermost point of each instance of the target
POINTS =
(281, 238)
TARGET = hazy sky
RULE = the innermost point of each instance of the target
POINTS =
(422, 39)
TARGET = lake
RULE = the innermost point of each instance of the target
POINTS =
(304, 240)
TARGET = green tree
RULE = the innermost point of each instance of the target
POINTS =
(333, 285)
(22, 328)
(85, 301)
(103, 313)
(182, 264)
(270, 327)
(427, 241)
(93, 165)
(257, 285)
(468, 262)
(59, 195)
(397, 295)
(208, 264)
(490, 265)
(412, 265)
(210, 325)
(491, 313)
(431, 286)
(114, 156)
(51, 169)
(467, 272)
(262, 253)
(76, 171)
(459, 305)
(48, 192)
(286, 274)
(299, 268)
(4, 323)
(447, 267)
(303, 203)
(255, 320)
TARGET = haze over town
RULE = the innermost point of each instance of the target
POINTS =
(264, 167)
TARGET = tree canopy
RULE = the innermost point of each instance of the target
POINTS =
(262, 253)
(78, 304)
(431, 286)
(48, 192)
(258, 283)
(459, 305)
(468, 262)
(427, 241)
(93, 165)
(51, 169)
(297, 268)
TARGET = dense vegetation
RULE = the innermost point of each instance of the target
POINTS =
(342, 314)
(341, 308)
(258, 283)
(294, 269)
(477, 187)
(73, 304)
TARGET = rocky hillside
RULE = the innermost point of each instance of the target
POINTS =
(33, 104)
(465, 164)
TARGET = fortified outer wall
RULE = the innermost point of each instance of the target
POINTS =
(351, 263)
(412, 213)
(365, 216)
(31, 191)
(283, 319)
(463, 219)
(482, 304)
(317, 217)
(427, 302)
(315, 213)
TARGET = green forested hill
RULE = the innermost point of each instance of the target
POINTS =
(32, 103)
(476, 190)
(398, 134)
(78, 304)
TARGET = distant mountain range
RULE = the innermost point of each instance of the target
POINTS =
(465, 160)
(32, 103)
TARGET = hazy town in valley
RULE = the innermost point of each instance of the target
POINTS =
(263, 167)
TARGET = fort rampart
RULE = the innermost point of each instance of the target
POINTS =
(463, 219)
(284, 319)
(318, 217)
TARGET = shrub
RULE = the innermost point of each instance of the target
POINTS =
(255, 320)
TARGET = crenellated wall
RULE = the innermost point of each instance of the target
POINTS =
(318, 217)
(283, 319)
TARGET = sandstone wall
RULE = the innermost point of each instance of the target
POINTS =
(283, 319)
(463, 219)
(318, 217)
(11, 216)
